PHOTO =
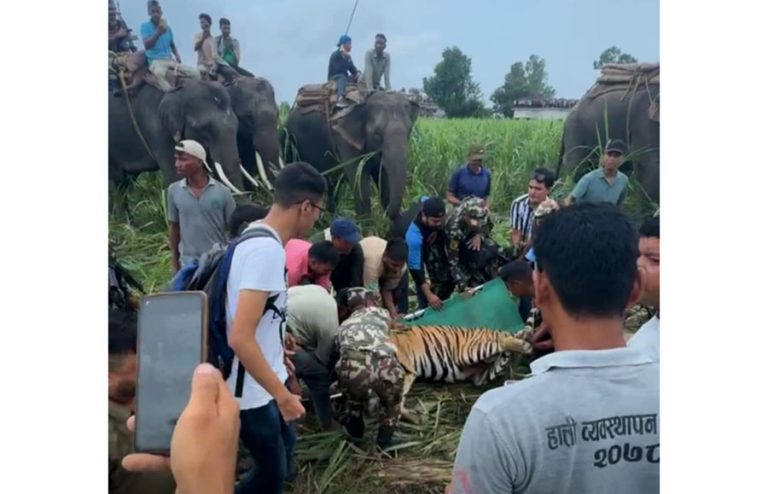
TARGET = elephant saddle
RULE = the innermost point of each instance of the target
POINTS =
(133, 67)
(627, 77)
(323, 97)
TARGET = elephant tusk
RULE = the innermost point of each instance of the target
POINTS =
(249, 177)
(282, 163)
(208, 167)
(223, 177)
(273, 168)
(262, 171)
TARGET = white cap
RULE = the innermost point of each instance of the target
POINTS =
(192, 148)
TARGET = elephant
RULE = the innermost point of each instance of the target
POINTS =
(620, 113)
(198, 110)
(253, 101)
(381, 124)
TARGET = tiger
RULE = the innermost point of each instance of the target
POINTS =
(453, 354)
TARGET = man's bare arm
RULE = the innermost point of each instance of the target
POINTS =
(175, 52)
(515, 237)
(250, 309)
(389, 301)
(173, 242)
(451, 197)
(149, 43)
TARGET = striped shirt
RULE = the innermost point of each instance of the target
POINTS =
(521, 217)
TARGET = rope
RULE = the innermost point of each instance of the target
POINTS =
(133, 117)
(346, 31)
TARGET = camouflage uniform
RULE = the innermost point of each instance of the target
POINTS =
(547, 206)
(368, 361)
(436, 265)
(458, 233)
(121, 481)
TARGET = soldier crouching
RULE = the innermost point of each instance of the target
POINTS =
(367, 360)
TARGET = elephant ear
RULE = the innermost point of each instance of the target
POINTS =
(415, 111)
(172, 114)
(349, 124)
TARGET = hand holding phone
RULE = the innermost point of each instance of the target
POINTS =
(173, 331)
(204, 445)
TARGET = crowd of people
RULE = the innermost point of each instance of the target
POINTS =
(219, 57)
(320, 311)
(310, 313)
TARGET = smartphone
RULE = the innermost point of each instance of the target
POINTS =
(172, 341)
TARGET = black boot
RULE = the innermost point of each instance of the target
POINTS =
(354, 427)
(385, 437)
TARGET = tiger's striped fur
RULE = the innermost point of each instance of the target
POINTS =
(452, 354)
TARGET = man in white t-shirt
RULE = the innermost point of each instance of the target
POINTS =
(256, 312)
(587, 419)
(647, 337)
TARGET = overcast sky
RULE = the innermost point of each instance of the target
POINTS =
(289, 41)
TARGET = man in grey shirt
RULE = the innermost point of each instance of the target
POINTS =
(377, 63)
(587, 420)
(199, 207)
(605, 184)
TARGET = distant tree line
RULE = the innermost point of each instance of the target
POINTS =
(453, 90)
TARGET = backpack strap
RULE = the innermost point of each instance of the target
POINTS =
(256, 231)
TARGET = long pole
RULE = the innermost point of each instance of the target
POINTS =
(346, 31)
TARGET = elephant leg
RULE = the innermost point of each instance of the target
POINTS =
(578, 159)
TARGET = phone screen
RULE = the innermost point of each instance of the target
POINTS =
(171, 343)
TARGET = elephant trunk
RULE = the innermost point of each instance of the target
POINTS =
(394, 161)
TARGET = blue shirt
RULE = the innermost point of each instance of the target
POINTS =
(415, 240)
(464, 183)
(162, 48)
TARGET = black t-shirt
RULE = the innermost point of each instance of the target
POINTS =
(340, 65)
(349, 271)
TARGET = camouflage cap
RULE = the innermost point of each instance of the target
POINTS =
(476, 152)
(358, 295)
(546, 207)
(474, 207)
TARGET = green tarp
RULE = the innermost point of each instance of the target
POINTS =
(490, 307)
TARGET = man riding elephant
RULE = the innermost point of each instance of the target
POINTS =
(160, 49)
(468, 226)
